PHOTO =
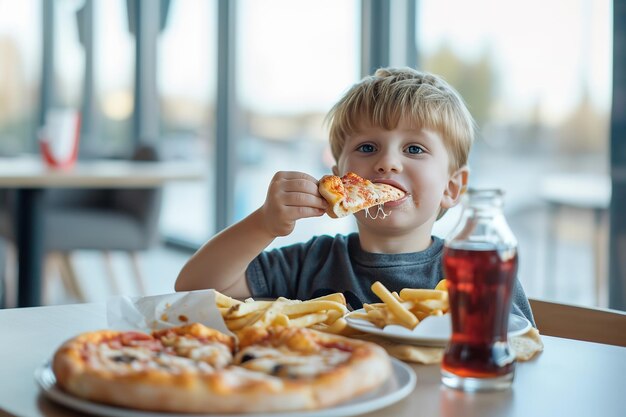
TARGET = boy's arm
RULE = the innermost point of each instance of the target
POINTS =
(221, 263)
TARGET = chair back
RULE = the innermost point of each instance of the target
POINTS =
(580, 323)
(142, 203)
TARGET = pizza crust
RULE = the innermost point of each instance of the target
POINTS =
(351, 193)
(331, 188)
(231, 389)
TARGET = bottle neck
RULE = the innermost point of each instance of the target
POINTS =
(482, 222)
(486, 201)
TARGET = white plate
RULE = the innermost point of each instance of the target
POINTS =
(400, 385)
(432, 331)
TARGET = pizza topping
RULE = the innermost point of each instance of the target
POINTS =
(184, 354)
(236, 377)
(124, 358)
(340, 346)
(246, 357)
(215, 354)
(255, 352)
(134, 338)
(298, 357)
(291, 364)
(177, 363)
(183, 345)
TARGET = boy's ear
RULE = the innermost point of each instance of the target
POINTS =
(457, 185)
(335, 170)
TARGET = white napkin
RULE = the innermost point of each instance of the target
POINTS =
(165, 311)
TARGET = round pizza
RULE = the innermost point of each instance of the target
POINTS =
(351, 193)
(196, 369)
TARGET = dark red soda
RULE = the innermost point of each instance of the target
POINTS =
(479, 285)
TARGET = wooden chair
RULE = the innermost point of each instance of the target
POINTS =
(580, 323)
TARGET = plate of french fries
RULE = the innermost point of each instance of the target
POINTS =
(414, 316)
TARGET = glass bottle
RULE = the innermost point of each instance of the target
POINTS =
(480, 266)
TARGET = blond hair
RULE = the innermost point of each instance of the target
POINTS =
(393, 94)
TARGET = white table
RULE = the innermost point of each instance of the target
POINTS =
(570, 378)
(29, 176)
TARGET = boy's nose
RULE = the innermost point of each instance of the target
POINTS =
(388, 163)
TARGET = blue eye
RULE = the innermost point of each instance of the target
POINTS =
(414, 149)
(367, 148)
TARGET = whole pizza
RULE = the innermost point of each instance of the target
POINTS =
(196, 369)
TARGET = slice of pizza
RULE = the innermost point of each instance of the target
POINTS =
(351, 193)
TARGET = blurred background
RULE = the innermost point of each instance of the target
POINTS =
(242, 87)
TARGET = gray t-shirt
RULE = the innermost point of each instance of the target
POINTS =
(326, 264)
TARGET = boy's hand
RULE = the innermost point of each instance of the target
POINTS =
(291, 196)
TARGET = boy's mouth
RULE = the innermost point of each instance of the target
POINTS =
(390, 182)
(396, 203)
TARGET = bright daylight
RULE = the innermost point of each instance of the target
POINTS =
(306, 208)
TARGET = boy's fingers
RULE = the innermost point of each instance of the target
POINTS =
(295, 175)
(300, 199)
(301, 185)
(302, 212)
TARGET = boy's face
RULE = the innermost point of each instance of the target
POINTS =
(414, 160)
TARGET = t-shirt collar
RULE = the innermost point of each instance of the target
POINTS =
(380, 260)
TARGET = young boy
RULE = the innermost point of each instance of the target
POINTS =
(400, 126)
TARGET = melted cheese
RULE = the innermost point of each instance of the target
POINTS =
(215, 354)
(119, 360)
(379, 212)
(285, 363)
(189, 356)
(177, 363)
(235, 377)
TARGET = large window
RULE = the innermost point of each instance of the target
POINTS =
(294, 59)
(187, 71)
(542, 119)
(69, 56)
(114, 65)
(20, 74)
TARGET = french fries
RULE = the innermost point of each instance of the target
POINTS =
(396, 308)
(407, 308)
(322, 313)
